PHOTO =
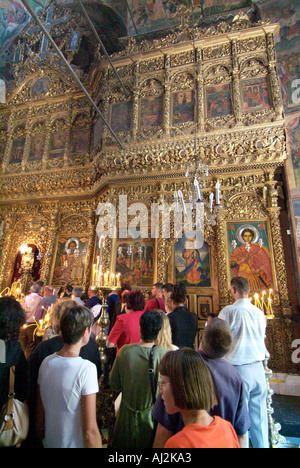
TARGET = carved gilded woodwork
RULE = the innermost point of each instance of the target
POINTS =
(244, 150)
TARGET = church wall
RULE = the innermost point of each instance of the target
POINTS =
(287, 14)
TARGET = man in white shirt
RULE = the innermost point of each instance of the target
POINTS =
(76, 295)
(248, 327)
(32, 302)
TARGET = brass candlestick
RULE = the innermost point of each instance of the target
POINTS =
(276, 439)
(101, 338)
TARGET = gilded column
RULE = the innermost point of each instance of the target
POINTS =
(161, 261)
(222, 256)
(47, 142)
(28, 135)
(136, 95)
(9, 139)
(90, 249)
(105, 131)
(7, 237)
(167, 97)
(200, 91)
(279, 260)
(49, 254)
(236, 91)
(69, 131)
(280, 330)
(274, 80)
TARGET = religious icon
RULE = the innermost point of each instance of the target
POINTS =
(218, 101)
(79, 141)
(69, 267)
(256, 94)
(204, 307)
(135, 260)
(155, 10)
(121, 114)
(40, 87)
(250, 254)
(37, 147)
(152, 111)
(192, 265)
(57, 144)
(183, 106)
(16, 154)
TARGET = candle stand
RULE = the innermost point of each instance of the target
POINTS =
(101, 338)
(264, 303)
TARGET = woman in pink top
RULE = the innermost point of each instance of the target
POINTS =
(126, 330)
(187, 387)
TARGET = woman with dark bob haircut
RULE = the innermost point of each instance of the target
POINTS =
(126, 330)
(12, 317)
(187, 387)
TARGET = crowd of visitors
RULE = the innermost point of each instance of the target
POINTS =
(168, 390)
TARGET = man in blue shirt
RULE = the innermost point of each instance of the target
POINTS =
(93, 298)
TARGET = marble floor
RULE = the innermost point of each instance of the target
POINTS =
(287, 414)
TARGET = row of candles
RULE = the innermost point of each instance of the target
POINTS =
(15, 291)
(41, 325)
(107, 279)
(264, 302)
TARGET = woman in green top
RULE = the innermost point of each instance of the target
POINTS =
(134, 426)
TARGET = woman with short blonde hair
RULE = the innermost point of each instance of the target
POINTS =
(55, 313)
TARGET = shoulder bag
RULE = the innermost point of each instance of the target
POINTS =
(14, 418)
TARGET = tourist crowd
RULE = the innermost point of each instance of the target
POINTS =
(171, 388)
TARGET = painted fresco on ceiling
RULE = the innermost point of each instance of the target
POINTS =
(13, 19)
(149, 15)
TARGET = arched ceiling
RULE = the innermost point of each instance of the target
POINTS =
(112, 19)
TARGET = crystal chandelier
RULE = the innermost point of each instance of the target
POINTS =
(196, 179)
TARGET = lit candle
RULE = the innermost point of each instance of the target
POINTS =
(270, 292)
(118, 279)
(269, 310)
(211, 201)
(218, 185)
(112, 279)
(263, 300)
(105, 278)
